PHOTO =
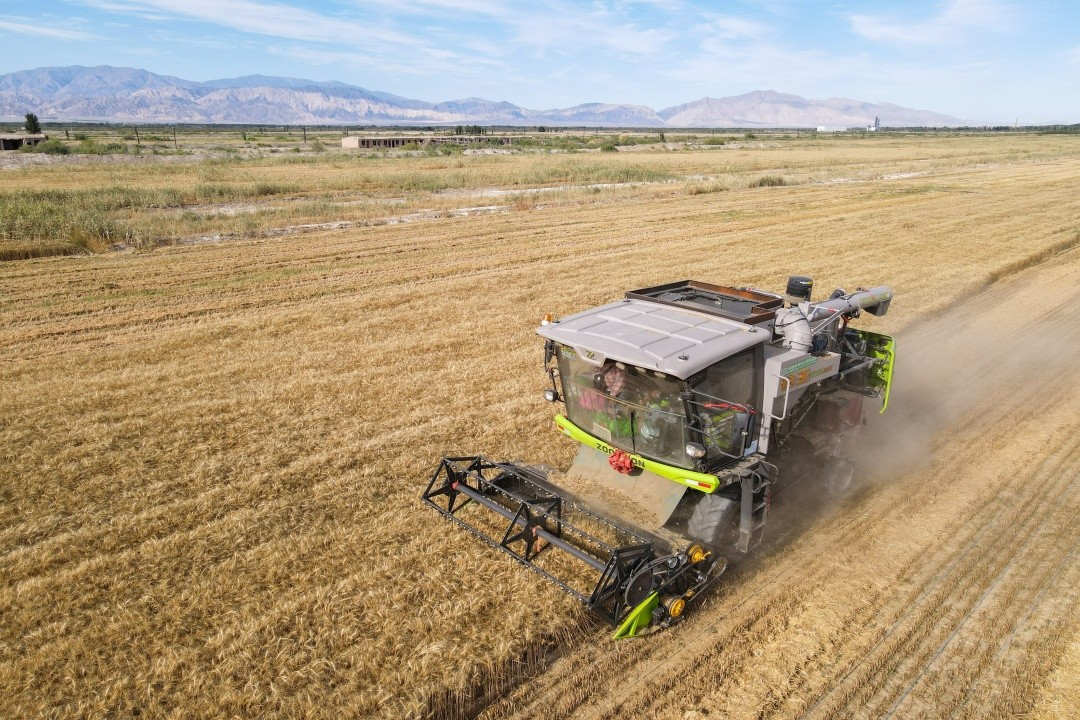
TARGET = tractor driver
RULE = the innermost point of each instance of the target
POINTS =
(612, 379)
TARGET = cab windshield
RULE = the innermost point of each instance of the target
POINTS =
(636, 410)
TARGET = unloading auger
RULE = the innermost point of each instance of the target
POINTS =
(693, 403)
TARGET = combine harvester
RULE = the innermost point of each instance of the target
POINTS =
(693, 404)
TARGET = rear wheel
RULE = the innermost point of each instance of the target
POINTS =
(713, 521)
(839, 477)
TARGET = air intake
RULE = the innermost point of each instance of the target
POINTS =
(799, 288)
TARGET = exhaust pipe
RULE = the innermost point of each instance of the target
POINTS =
(795, 323)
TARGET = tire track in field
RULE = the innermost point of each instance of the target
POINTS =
(1041, 639)
(1014, 419)
(1066, 562)
(908, 648)
(1009, 588)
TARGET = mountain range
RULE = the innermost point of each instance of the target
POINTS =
(111, 94)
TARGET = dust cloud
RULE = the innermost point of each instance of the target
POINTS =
(1002, 346)
(1013, 344)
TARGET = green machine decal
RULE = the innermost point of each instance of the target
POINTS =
(883, 349)
(696, 480)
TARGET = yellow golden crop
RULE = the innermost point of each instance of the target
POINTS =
(212, 442)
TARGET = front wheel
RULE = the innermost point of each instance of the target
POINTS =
(713, 521)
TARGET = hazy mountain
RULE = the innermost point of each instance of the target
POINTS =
(72, 83)
(112, 94)
(605, 114)
(768, 108)
(502, 113)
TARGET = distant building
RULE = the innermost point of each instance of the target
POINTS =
(831, 128)
(875, 126)
(357, 142)
(14, 141)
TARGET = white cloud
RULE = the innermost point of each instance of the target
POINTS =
(666, 5)
(275, 20)
(952, 24)
(730, 28)
(817, 73)
(445, 64)
(25, 28)
(448, 7)
(566, 29)
(558, 27)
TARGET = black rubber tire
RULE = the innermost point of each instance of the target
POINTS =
(713, 521)
(839, 478)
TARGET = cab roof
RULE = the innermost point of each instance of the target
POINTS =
(673, 340)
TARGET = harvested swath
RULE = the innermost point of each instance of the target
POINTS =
(210, 456)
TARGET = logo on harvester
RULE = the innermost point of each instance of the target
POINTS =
(797, 366)
(808, 369)
(608, 450)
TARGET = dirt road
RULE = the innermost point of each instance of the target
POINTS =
(948, 586)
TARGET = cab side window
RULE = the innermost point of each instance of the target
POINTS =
(724, 402)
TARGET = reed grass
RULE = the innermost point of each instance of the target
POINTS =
(91, 207)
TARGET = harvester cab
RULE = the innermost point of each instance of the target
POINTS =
(692, 404)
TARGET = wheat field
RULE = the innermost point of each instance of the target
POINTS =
(213, 437)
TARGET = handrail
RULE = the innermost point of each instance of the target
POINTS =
(787, 393)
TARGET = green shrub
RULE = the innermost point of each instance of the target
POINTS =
(49, 147)
(92, 147)
(609, 146)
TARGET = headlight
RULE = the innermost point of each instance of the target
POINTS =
(695, 450)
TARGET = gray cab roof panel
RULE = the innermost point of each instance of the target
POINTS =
(672, 340)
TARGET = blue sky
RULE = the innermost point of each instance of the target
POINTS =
(980, 60)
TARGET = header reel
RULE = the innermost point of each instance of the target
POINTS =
(618, 572)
